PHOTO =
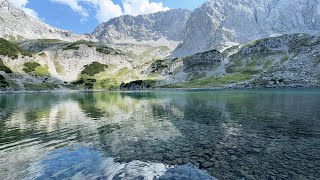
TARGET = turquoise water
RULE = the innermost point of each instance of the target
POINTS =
(250, 134)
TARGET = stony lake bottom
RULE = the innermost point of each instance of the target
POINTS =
(187, 134)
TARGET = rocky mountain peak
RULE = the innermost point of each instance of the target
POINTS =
(16, 24)
(160, 28)
(219, 24)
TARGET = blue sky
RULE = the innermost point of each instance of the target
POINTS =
(82, 16)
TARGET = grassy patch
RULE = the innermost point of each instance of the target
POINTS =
(284, 59)
(94, 84)
(4, 68)
(250, 70)
(42, 71)
(268, 64)
(12, 50)
(108, 83)
(49, 40)
(59, 67)
(106, 80)
(36, 69)
(42, 54)
(40, 86)
(248, 65)
(94, 68)
(212, 81)
(196, 75)
(122, 73)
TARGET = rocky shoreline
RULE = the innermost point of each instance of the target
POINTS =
(165, 89)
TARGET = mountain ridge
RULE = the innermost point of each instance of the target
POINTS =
(161, 28)
(236, 22)
(16, 25)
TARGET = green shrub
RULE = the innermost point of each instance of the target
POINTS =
(103, 50)
(3, 82)
(27, 70)
(75, 45)
(36, 68)
(42, 54)
(12, 50)
(4, 68)
(31, 66)
(71, 47)
(94, 68)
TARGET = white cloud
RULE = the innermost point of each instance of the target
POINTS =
(107, 9)
(74, 5)
(22, 5)
(137, 7)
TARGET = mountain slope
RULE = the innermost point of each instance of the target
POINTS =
(219, 24)
(283, 61)
(162, 28)
(16, 24)
(50, 64)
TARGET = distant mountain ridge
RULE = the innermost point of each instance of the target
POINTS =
(16, 24)
(161, 28)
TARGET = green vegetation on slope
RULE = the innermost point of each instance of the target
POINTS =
(49, 41)
(86, 77)
(108, 50)
(94, 68)
(11, 50)
(208, 82)
(30, 66)
(4, 68)
(36, 69)
(101, 48)
(42, 54)
(3, 82)
(284, 59)
(40, 86)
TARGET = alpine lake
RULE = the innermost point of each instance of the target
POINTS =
(161, 134)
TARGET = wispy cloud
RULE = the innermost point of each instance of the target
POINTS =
(107, 9)
(22, 5)
(136, 7)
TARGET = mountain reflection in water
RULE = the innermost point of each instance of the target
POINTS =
(170, 134)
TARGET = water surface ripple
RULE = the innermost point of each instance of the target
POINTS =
(250, 134)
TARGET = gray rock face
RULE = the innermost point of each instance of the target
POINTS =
(291, 60)
(206, 61)
(16, 24)
(219, 24)
(212, 57)
(158, 28)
